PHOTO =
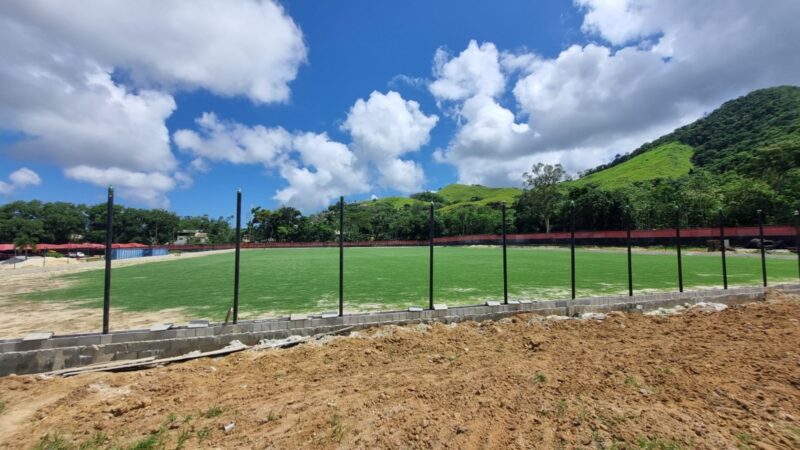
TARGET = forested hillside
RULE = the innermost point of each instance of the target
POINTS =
(738, 136)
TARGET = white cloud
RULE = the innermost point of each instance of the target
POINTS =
(326, 170)
(475, 71)
(143, 187)
(233, 142)
(489, 138)
(385, 127)
(658, 65)
(316, 169)
(244, 47)
(89, 83)
(92, 121)
(522, 61)
(19, 179)
(401, 175)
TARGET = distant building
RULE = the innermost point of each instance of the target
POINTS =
(191, 237)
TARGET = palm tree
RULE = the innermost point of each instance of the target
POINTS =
(25, 243)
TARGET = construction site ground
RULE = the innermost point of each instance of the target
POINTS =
(700, 378)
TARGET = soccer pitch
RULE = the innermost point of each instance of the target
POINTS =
(306, 279)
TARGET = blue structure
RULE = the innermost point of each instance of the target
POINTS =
(129, 253)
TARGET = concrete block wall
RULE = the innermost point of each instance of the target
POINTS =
(68, 351)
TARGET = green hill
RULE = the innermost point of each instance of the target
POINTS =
(666, 161)
(457, 195)
(741, 136)
(475, 194)
(395, 202)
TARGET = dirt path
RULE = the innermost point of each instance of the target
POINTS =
(20, 317)
(721, 380)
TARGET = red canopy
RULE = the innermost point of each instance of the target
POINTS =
(75, 247)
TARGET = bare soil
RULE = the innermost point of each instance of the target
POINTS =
(716, 380)
(20, 317)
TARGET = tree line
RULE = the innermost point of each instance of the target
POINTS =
(544, 205)
(62, 222)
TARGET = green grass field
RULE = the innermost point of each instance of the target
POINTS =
(294, 280)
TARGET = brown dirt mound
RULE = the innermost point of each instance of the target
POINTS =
(727, 379)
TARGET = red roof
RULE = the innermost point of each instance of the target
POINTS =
(83, 246)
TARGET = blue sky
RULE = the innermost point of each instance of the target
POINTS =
(470, 92)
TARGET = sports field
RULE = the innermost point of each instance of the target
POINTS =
(306, 279)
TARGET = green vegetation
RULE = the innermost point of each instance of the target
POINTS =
(53, 442)
(657, 444)
(394, 202)
(211, 412)
(461, 194)
(746, 441)
(338, 430)
(631, 381)
(306, 279)
(727, 139)
(667, 161)
(203, 434)
(28, 223)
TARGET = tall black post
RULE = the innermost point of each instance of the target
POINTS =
(763, 250)
(430, 260)
(109, 241)
(722, 242)
(236, 257)
(572, 245)
(505, 259)
(341, 256)
(797, 238)
(678, 243)
(628, 243)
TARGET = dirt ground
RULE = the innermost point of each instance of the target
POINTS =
(20, 317)
(698, 379)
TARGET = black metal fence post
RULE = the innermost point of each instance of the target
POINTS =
(628, 243)
(797, 238)
(761, 244)
(109, 242)
(572, 245)
(341, 256)
(430, 259)
(678, 243)
(722, 243)
(236, 257)
(505, 258)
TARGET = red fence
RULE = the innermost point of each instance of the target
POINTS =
(772, 231)
(783, 231)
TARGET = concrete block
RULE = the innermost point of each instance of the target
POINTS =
(161, 326)
(414, 309)
(439, 307)
(492, 303)
(329, 314)
(298, 316)
(197, 324)
(38, 336)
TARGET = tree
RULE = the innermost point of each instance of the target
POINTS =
(542, 192)
(24, 243)
(429, 197)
